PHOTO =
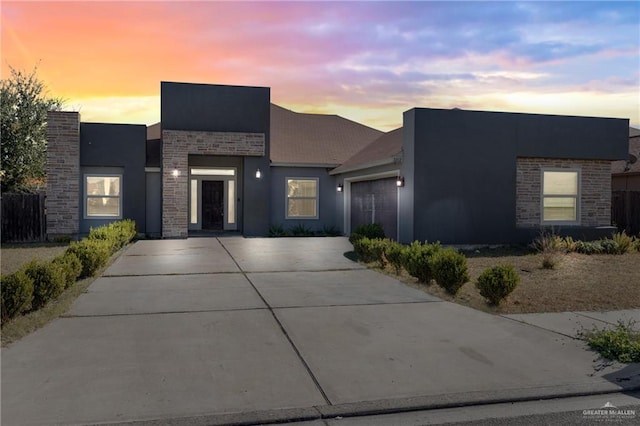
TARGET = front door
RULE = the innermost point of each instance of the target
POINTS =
(212, 204)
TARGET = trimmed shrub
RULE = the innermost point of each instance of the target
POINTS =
(363, 248)
(117, 234)
(377, 250)
(71, 266)
(394, 253)
(417, 260)
(371, 250)
(371, 231)
(17, 294)
(449, 269)
(93, 254)
(126, 230)
(104, 233)
(497, 282)
(48, 281)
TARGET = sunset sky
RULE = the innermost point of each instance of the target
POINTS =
(367, 61)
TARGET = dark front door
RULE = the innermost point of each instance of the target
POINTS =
(212, 205)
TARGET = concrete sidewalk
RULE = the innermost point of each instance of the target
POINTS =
(223, 330)
(572, 324)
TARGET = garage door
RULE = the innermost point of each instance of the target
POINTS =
(375, 201)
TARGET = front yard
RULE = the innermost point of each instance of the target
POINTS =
(578, 283)
(15, 256)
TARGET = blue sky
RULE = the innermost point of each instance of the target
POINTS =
(368, 61)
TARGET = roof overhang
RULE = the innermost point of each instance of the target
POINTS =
(364, 166)
(310, 165)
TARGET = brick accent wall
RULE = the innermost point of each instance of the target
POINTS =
(595, 185)
(176, 147)
(63, 173)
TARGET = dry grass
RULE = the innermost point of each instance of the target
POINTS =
(15, 329)
(15, 256)
(578, 283)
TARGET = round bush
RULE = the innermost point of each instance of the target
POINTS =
(48, 281)
(394, 253)
(371, 231)
(417, 260)
(364, 248)
(93, 254)
(17, 294)
(71, 266)
(497, 282)
(449, 268)
(377, 251)
(117, 234)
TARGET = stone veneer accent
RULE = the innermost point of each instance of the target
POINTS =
(63, 173)
(176, 147)
(595, 187)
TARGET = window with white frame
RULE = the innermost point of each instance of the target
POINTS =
(302, 198)
(103, 196)
(560, 196)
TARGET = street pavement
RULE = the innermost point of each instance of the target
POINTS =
(238, 331)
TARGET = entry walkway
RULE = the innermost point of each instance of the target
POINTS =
(223, 330)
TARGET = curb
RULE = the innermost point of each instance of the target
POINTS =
(394, 405)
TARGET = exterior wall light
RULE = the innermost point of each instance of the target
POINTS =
(258, 174)
(175, 172)
(400, 182)
(340, 188)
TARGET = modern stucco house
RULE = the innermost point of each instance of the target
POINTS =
(224, 158)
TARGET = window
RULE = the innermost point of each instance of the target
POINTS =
(560, 196)
(302, 198)
(194, 201)
(213, 172)
(103, 196)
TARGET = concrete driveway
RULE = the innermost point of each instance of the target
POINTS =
(222, 330)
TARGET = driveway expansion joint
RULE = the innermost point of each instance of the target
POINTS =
(133, 314)
(169, 274)
(282, 329)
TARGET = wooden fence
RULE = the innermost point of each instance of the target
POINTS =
(625, 211)
(23, 218)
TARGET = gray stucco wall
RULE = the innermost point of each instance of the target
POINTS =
(326, 202)
(109, 148)
(212, 107)
(407, 170)
(460, 167)
(216, 108)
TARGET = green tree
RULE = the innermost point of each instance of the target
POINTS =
(23, 110)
